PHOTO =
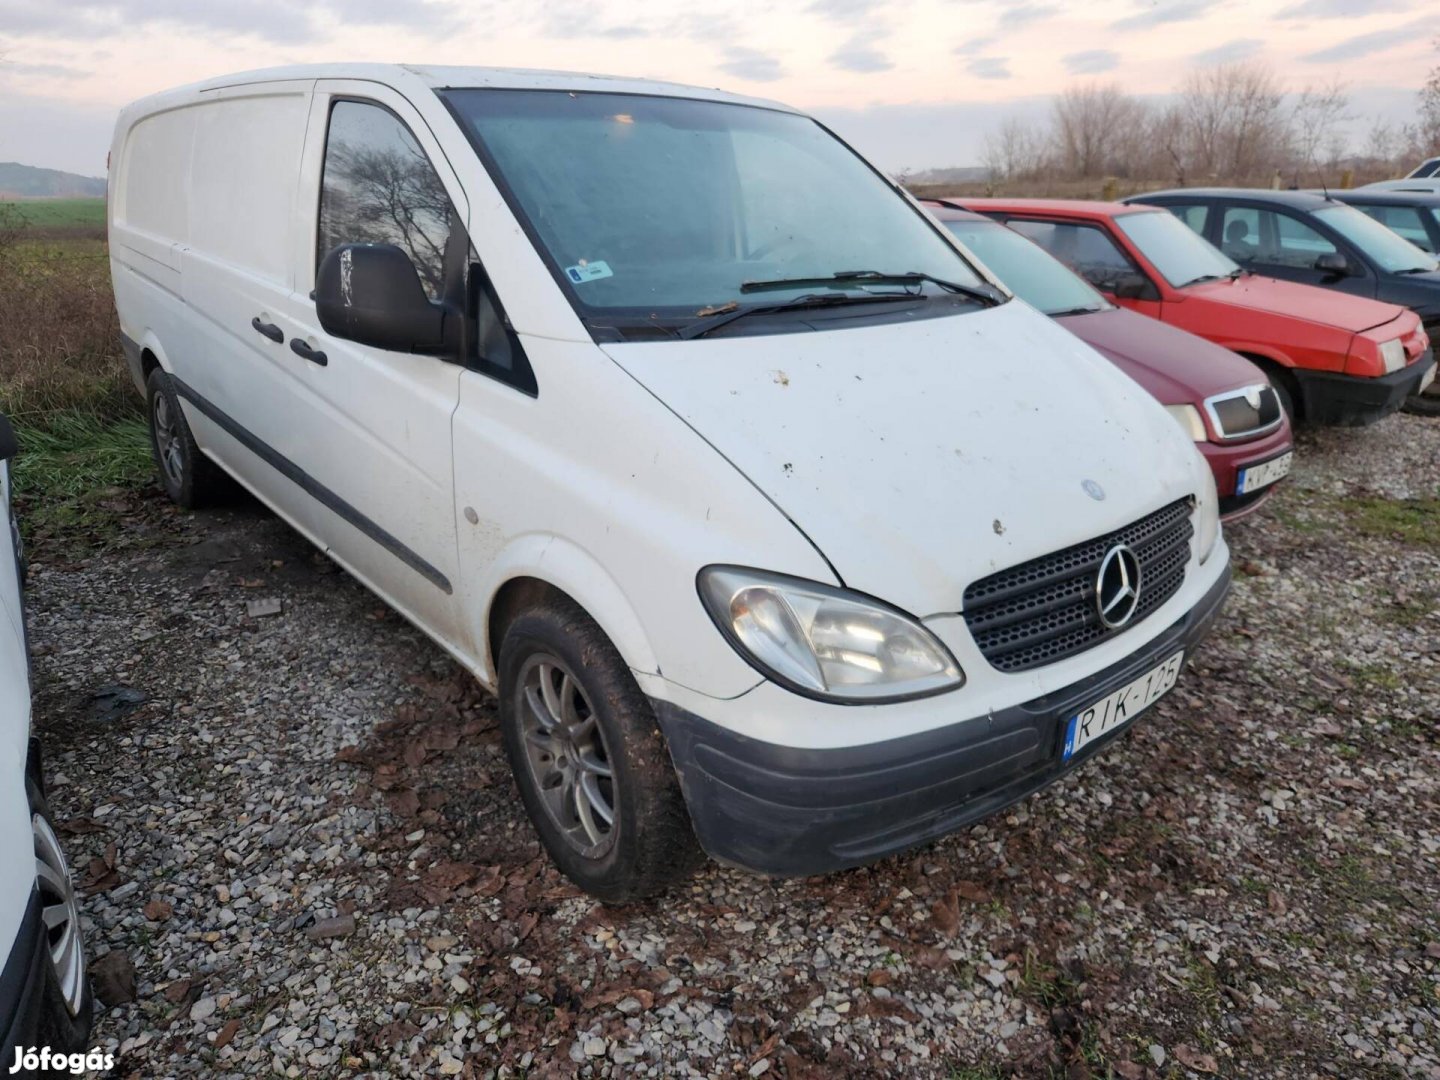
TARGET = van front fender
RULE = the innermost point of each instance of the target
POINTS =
(563, 565)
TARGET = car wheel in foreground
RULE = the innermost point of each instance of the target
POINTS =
(60, 913)
(589, 759)
(189, 477)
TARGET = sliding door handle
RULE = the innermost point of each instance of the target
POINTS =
(270, 330)
(315, 356)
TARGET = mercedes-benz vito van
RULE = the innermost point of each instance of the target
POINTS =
(772, 519)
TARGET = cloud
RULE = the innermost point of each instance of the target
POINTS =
(751, 64)
(1091, 61)
(1159, 12)
(860, 56)
(1378, 41)
(975, 45)
(1018, 15)
(990, 67)
(1339, 9)
(41, 71)
(573, 21)
(843, 10)
(270, 20)
(1231, 51)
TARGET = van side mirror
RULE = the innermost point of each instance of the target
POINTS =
(1332, 262)
(1133, 286)
(371, 293)
(9, 444)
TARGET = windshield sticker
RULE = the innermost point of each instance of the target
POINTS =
(588, 271)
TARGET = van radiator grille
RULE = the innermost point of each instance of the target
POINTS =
(1044, 610)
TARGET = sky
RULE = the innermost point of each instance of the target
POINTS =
(915, 84)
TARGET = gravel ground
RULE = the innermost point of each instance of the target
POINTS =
(303, 854)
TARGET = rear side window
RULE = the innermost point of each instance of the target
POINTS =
(380, 188)
(1405, 220)
(1087, 250)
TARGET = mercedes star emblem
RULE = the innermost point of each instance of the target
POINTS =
(1117, 587)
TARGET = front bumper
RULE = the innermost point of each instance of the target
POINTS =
(1354, 401)
(1227, 459)
(794, 812)
(32, 1009)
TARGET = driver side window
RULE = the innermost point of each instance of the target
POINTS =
(379, 187)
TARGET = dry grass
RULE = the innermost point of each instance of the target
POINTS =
(59, 336)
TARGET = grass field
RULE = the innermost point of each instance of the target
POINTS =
(61, 214)
(63, 379)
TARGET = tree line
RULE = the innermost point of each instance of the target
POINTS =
(1231, 123)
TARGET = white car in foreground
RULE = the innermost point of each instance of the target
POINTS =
(770, 516)
(44, 996)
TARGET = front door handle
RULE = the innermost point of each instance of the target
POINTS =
(270, 330)
(315, 356)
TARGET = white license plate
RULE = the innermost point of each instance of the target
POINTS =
(1254, 477)
(1119, 708)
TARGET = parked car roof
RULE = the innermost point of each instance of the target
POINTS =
(1389, 198)
(1295, 200)
(946, 210)
(1066, 207)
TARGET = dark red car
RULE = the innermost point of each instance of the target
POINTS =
(1333, 358)
(1224, 401)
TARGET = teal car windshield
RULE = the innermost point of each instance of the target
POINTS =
(663, 207)
(1393, 253)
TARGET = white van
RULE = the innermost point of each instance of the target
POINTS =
(44, 994)
(770, 517)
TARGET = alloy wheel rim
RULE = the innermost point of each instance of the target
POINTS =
(567, 757)
(167, 440)
(60, 914)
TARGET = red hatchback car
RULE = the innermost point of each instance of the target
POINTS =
(1222, 400)
(1333, 358)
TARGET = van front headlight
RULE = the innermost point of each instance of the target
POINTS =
(823, 642)
(1207, 515)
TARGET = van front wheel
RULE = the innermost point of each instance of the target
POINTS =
(589, 759)
(189, 477)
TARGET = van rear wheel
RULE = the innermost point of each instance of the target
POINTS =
(589, 759)
(189, 477)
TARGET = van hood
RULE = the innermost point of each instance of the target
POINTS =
(1325, 307)
(919, 456)
(1175, 366)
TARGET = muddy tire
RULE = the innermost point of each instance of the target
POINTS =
(588, 757)
(189, 477)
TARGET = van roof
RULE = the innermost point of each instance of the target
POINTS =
(437, 77)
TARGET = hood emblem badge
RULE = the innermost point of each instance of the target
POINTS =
(1117, 587)
(1094, 490)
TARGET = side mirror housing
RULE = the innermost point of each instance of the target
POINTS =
(1133, 287)
(9, 444)
(371, 293)
(1332, 262)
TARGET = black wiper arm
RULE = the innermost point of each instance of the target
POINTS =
(714, 318)
(984, 294)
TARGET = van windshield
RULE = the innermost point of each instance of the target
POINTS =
(654, 209)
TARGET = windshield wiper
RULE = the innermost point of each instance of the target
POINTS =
(714, 318)
(983, 294)
(1208, 277)
(1074, 311)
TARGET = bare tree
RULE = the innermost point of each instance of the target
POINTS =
(1235, 121)
(1091, 125)
(1015, 151)
(1317, 122)
(1427, 125)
